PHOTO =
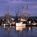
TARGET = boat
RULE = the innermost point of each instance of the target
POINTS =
(22, 20)
(12, 22)
(5, 25)
(34, 23)
(21, 23)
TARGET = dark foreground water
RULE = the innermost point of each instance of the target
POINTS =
(12, 32)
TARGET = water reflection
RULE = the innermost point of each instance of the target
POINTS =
(21, 31)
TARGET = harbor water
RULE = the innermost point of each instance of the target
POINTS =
(11, 31)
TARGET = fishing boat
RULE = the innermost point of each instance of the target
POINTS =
(22, 20)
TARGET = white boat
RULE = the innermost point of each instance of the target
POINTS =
(22, 22)
(20, 25)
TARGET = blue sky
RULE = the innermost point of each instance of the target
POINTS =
(15, 4)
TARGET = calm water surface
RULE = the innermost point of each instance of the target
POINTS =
(21, 32)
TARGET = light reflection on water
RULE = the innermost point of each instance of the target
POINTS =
(13, 31)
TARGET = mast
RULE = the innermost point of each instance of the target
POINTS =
(8, 11)
(17, 12)
(27, 12)
(8, 14)
(23, 12)
(20, 12)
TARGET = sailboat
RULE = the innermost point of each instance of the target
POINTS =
(7, 18)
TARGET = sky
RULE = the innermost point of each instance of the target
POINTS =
(13, 5)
